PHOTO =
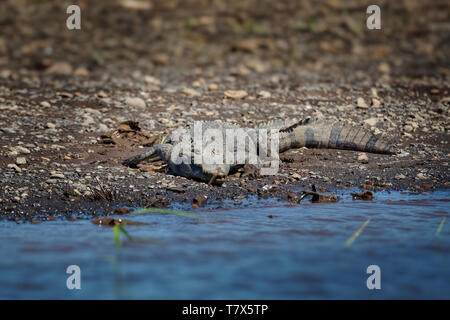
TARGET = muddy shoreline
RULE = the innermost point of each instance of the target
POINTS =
(62, 109)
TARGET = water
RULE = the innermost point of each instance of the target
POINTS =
(241, 253)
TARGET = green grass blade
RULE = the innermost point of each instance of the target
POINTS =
(162, 210)
(117, 237)
(441, 225)
(122, 229)
(350, 240)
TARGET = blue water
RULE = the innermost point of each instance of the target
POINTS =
(241, 253)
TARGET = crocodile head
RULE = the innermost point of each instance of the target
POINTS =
(185, 166)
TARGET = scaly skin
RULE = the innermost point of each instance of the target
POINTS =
(292, 134)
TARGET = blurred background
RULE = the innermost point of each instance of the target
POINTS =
(243, 36)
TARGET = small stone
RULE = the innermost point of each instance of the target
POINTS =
(371, 121)
(191, 92)
(57, 176)
(235, 94)
(45, 104)
(23, 150)
(213, 87)
(296, 176)
(247, 45)
(152, 80)
(160, 58)
(103, 127)
(136, 4)
(408, 128)
(21, 160)
(400, 177)
(60, 68)
(15, 167)
(413, 124)
(408, 135)
(360, 103)
(375, 102)
(374, 92)
(51, 181)
(383, 67)
(50, 125)
(8, 130)
(5, 73)
(264, 94)
(81, 72)
(135, 102)
(421, 176)
(362, 157)
(257, 65)
(88, 120)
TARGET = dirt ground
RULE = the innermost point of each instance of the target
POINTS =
(75, 103)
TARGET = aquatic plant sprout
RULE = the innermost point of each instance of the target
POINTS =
(117, 231)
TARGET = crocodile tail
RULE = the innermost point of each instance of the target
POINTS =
(334, 135)
(135, 160)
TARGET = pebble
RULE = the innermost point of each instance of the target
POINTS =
(235, 94)
(15, 167)
(371, 121)
(421, 176)
(362, 157)
(160, 58)
(8, 130)
(264, 94)
(22, 150)
(213, 87)
(152, 80)
(361, 103)
(21, 160)
(375, 102)
(408, 128)
(60, 68)
(103, 127)
(383, 67)
(191, 92)
(400, 177)
(88, 120)
(296, 176)
(408, 135)
(81, 72)
(135, 102)
(57, 176)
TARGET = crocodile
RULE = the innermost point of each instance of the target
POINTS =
(310, 133)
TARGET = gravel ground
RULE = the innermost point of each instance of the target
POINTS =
(74, 104)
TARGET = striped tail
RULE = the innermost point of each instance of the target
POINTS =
(135, 160)
(333, 135)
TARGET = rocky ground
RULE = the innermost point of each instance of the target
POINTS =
(74, 104)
